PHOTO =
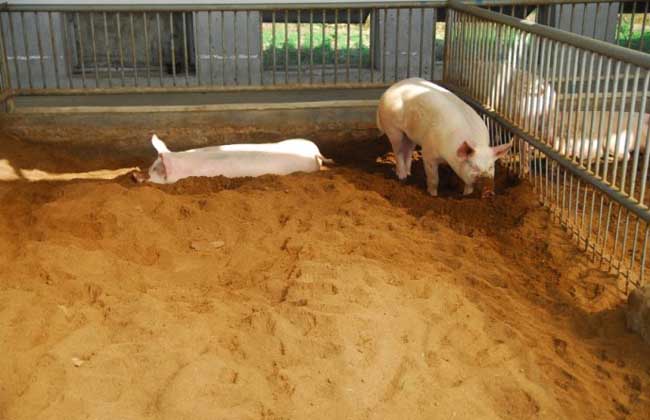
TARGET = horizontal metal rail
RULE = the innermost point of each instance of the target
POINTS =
(198, 7)
(290, 5)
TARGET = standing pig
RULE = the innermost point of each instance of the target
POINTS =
(234, 160)
(417, 112)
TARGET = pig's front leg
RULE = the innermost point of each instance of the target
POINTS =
(431, 163)
(469, 188)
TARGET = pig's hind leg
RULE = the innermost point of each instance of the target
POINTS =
(399, 142)
(407, 153)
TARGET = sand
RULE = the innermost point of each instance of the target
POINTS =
(340, 294)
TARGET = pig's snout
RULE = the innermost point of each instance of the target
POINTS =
(139, 176)
(485, 186)
(487, 194)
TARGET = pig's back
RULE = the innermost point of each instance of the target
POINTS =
(419, 108)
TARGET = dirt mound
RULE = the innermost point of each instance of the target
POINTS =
(341, 294)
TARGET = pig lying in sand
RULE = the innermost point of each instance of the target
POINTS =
(234, 160)
(417, 112)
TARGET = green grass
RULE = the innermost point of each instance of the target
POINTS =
(633, 40)
(323, 46)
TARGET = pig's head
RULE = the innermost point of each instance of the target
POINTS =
(477, 165)
(158, 172)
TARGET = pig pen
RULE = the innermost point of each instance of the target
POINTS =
(338, 294)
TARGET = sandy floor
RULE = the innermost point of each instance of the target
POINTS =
(341, 294)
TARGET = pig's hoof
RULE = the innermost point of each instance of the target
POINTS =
(433, 193)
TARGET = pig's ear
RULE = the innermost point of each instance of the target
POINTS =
(501, 150)
(165, 164)
(465, 151)
(159, 145)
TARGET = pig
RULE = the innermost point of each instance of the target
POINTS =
(417, 112)
(586, 145)
(234, 160)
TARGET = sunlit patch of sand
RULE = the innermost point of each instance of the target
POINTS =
(9, 173)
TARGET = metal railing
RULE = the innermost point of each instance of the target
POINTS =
(122, 48)
(584, 152)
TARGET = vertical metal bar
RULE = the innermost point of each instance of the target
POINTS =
(420, 57)
(223, 49)
(609, 9)
(14, 48)
(81, 53)
(261, 23)
(620, 122)
(347, 55)
(273, 42)
(634, 245)
(210, 46)
(197, 54)
(644, 171)
(582, 28)
(235, 41)
(147, 51)
(616, 236)
(311, 46)
(433, 45)
(39, 43)
(593, 35)
(248, 48)
(55, 55)
(119, 45)
(629, 37)
(580, 95)
(383, 49)
(160, 48)
(408, 46)
(108, 53)
(68, 48)
(618, 26)
(599, 146)
(27, 56)
(323, 48)
(299, 58)
(286, 46)
(397, 45)
(576, 55)
(5, 64)
(185, 52)
(336, 45)
(593, 114)
(94, 47)
(133, 52)
(360, 44)
(643, 257)
(172, 47)
(628, 131)
(610, 121)
(645, 16)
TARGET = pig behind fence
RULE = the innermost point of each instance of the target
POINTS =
(234, 160)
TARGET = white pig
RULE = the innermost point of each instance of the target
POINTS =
(234, 160)
(605, 124)
(417, 112)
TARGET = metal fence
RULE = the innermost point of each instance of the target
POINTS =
(577, 110)
(205, 47)
(575, 104)
(622, 22)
